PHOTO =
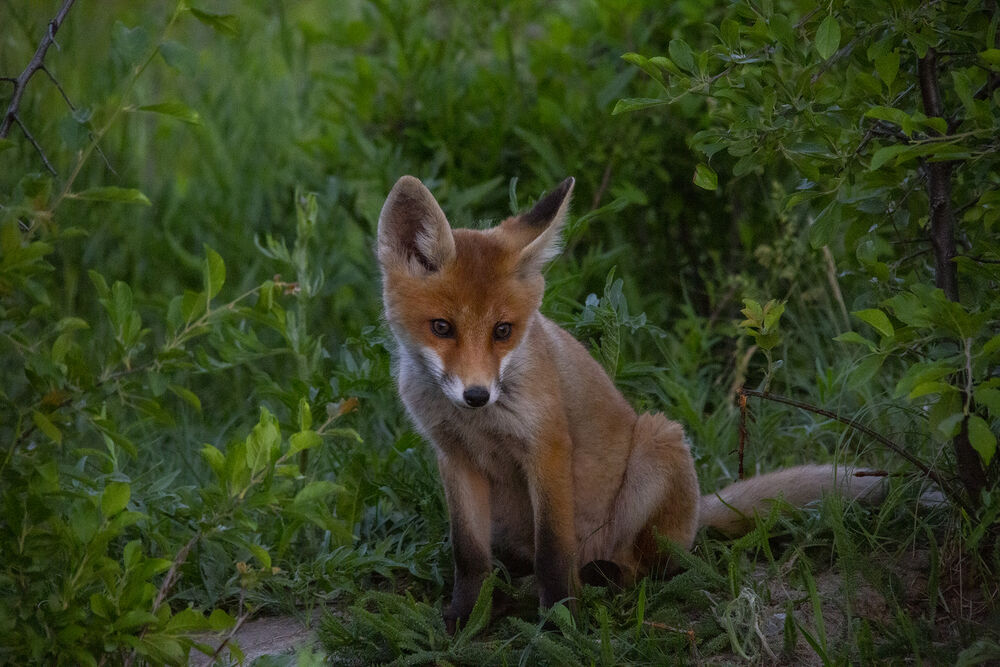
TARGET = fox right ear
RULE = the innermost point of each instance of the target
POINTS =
(412, 230)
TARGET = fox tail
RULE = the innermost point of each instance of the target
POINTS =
(731, 509)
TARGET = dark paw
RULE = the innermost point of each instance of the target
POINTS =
(452, 620)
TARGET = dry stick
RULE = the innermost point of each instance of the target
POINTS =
(895, 447)
(21, 82)
(168, 583)
(236, 626)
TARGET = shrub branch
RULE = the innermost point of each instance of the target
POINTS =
(858, 426)
(21, 82)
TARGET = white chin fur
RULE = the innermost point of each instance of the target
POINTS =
(451, 386)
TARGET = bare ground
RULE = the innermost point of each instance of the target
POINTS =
(271, 635)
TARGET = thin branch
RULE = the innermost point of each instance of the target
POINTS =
(168, 583)
(37, 62)
(244, 615)
(980, 259)
(72, 107)
(858, 426)
(31, 138)
(742, 430)
(55, 82)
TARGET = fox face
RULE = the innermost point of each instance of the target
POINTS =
(459, 302)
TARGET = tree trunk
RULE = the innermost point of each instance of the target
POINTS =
(942, 237)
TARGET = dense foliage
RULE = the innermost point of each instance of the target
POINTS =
(197, 415)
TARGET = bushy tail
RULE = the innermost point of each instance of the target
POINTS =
(731, 510)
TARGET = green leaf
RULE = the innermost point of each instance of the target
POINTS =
(636, 104)
(215, 459)
(179, 56)
(225, 24)
(705, 177)
(480, 616)
(990, 347)
(886, 153)
(772, 313)
(187, 620)
(134, 618)
(877, 319)
(128, 44)
(866, 369)
(647, 66)
(47, 427)
(5, 144)
(854, 337)
(828, 37)
(187, 395)
(317, 490)
(176, 110)
(214, 272)
(887, 66)
(982, 439)
(992, 58)
(219, 620)
(305, 415)
(990, 397)
(113, 194)
(303, 440)
(935, 387)
(262, 441)
(260, 553)
(825, 224)
(681, 54)
(115, 497)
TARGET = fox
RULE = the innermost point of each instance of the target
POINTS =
(545, 465)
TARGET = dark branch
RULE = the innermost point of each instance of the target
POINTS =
(858, 426)
(48, 165)
(37, 63)
(942, 233)
(942, 227)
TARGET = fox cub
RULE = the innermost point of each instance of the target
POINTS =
(545, 465)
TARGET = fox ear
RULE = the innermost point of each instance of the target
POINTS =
(543, 224)
(412, 229)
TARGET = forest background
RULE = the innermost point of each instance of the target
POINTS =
(774, 199)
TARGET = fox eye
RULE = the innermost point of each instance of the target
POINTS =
(442, 328)
(502, 331)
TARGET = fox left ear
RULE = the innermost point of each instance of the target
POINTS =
(412, 230)
(542, 225)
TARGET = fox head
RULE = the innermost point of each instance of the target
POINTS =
(460, 301)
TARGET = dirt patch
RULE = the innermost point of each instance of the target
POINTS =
(272, 635)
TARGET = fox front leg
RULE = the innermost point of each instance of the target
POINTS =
(467, 494)
(551, 488)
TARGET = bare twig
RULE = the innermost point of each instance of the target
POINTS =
(831, 277)
(168, 583)
(28, 135)
(980, 259)
(605, 180)
(858, 426)
(742, 430)
(37, 62)
(244, 614)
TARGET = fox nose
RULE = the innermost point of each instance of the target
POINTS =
(476, 397)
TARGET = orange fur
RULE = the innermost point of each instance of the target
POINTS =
(543, 461)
